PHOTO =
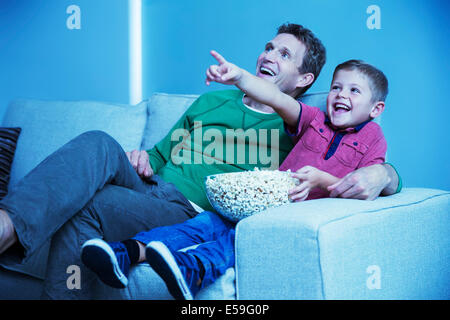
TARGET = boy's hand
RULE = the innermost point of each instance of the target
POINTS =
(309, 178)
(225, 72)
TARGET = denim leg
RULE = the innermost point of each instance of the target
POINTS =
(216, 256)
(115, 213)
(206, 226)
(214, 236)
(59, 187)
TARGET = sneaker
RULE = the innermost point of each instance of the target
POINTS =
(176, 269)
(109, 260)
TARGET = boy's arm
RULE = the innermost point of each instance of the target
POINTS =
(268, 93)
(257, 88)
(325, 180)
(310, 177)
(316, 177)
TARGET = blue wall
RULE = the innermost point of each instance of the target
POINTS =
(411, 47)
(41, 58)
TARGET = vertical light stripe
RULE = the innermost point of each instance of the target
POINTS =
(135, 50)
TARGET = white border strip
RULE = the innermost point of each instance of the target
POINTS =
(135, 50)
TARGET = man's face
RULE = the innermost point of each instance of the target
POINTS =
(280, 61)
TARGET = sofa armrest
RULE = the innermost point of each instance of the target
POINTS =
(395, 247)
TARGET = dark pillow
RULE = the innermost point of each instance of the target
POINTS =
(8, 142)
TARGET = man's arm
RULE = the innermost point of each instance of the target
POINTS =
(394, 185)
(257, 88)
(140, 162)
(367, 183)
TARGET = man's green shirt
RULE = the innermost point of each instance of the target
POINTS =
(218, 134)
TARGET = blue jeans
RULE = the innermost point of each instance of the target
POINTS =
(86, 189)
(213, 234)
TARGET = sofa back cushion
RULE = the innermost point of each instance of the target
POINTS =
(47, 125)
(164, 110)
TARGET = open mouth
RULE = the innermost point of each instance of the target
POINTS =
(341, 107)
(267, 71)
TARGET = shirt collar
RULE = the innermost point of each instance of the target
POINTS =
(347, 130)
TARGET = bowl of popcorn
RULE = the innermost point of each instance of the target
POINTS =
(238, 195)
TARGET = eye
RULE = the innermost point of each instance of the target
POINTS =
(335, 87)
(356, 90)
(285, 55)
(268, 48)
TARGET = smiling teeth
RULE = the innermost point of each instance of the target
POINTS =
(341, 106)
(268, 71)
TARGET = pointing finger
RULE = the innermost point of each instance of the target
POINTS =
(218, 57)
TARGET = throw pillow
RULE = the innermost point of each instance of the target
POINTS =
(8, 142)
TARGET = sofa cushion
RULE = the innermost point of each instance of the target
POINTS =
(47, 125)
(164, 110)
(145, 284)
(318, 99)
(8, 143)
(331, 243)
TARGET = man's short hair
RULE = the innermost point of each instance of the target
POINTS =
(315, 55)
(377, 80)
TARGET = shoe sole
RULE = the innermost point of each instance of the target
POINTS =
(98, 256)
(162, 261)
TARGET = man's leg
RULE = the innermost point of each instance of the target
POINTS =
(57, 189)
(115, 213)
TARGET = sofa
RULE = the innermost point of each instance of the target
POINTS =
(395, 247)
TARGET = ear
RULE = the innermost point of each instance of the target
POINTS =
(305, 80)
(377, 109)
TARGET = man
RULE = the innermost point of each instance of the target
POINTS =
(88, 189)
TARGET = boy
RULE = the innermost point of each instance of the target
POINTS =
(328, 146)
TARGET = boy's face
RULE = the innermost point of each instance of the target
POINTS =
(349, 101)
(280, 61)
